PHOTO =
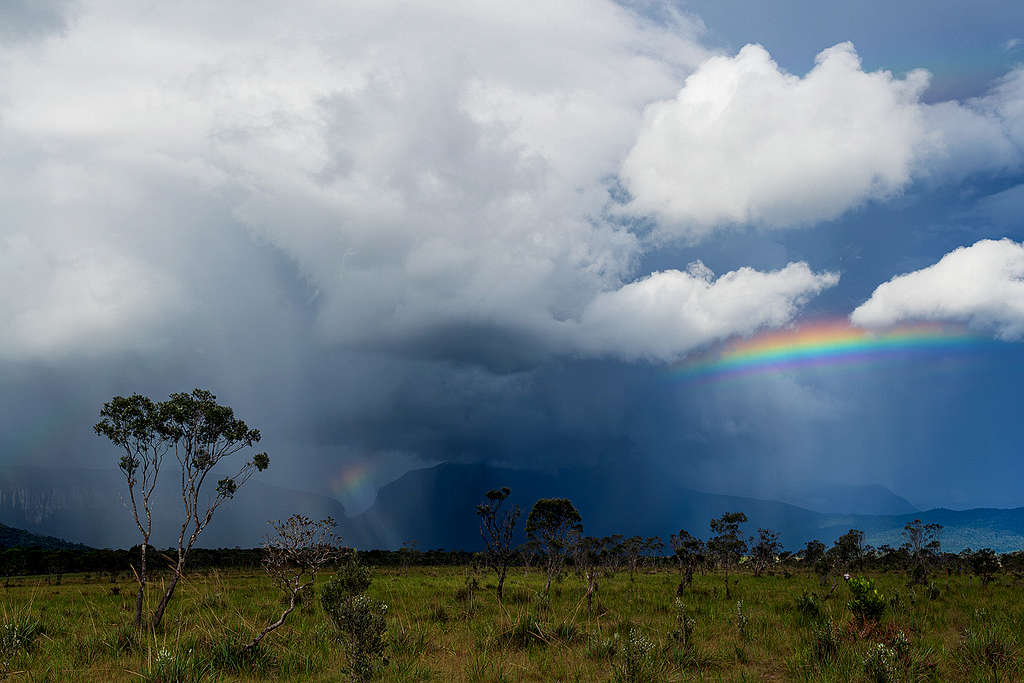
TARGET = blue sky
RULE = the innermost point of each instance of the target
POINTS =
(415, 232)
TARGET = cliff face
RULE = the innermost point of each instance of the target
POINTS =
(36, 506)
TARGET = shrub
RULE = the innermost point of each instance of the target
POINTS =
(807, 605)
(359, 619)
(880, 663)
(827, 640)
(637, 662)
(122, 639)
(683, 635)
(525, 631)
(742, 621)
(867, 604)
(171, 666)
(602, 647)
(18, 634)
(439, 614)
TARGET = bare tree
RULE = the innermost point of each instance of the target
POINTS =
(922, 542)
(632, 547)
(204, 434)
(496, 529)
(292, 556)
(653, 547)
(529, 553)
(133, 424)
(587, 552)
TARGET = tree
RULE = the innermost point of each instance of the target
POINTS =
(984, 564)
(552, 523)
(727, 544)
(529, 553)
(587, 553)
(613, 555)
(202, 435)
(292, 556)
(849, 549)
(812, 552)
(689, 552)
(496, 529)
(632, 547)
(653, 546)
(134, 424)
(922, 542)
(765, 550)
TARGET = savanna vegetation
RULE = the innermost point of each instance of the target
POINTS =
(445, 623)
(560, 606)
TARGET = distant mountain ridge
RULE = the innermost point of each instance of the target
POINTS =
(435, 507)
(88, 506)
(19, 538)
(838, 498)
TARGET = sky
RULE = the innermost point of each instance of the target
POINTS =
(398, 233)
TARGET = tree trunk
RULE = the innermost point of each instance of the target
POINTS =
(501, 580)
(158, 614)
(270, 627)
(141, 577)
(728, 595)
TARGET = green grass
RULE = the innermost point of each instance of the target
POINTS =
(440, 631)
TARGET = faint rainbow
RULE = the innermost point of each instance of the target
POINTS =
(351, 480)
(824, 343)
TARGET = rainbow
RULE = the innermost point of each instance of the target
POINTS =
(351, 480)
(823, 343)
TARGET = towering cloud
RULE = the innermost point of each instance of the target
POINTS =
(981, 285)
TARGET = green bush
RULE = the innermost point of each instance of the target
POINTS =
(807, 605)
(867, 603)
(360, 620)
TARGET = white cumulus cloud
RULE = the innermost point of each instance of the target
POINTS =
(981, 285)
(746, 142)
(668, 312)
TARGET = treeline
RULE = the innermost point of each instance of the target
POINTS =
(43, 561)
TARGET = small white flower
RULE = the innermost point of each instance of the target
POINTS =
(846, 577)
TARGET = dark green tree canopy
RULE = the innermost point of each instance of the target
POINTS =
(552, 520)
(727, 541)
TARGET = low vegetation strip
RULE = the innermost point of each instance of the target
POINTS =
(445, 623)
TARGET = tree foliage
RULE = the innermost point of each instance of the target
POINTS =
(552, 524)
(202, 434)
(726, 544)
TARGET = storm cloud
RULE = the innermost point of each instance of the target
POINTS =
(396, 233)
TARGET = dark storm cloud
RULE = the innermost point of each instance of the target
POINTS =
(388, 248)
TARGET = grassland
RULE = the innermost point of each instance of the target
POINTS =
(442, 629)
